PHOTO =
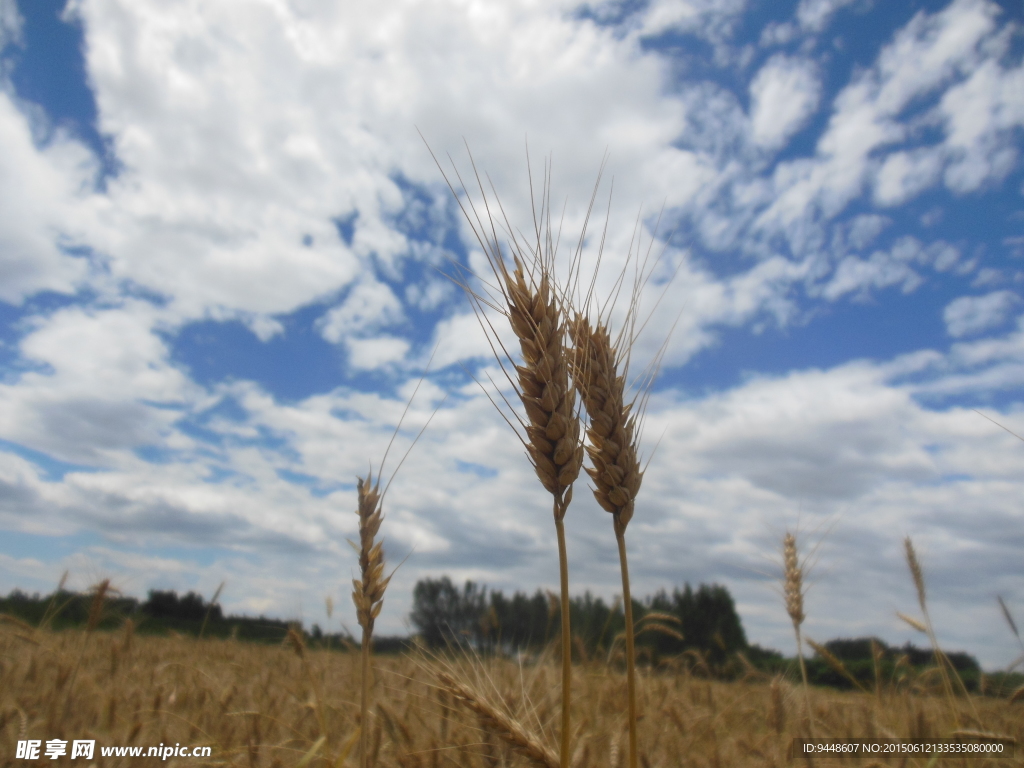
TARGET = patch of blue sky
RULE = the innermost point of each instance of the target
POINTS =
(53, 470)
(346, 226)
(52, 549)
(218, 474)
(317, 486)
(48, 69)
(475, 469)
(45, 548)
(291, 365)
(263, 437)
(299, 362)
(877, 326)
(155, 454)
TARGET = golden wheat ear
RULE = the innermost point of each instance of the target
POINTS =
(526, 294)
(793, 589)
(502, 725)
(616, 472)
(368, 590)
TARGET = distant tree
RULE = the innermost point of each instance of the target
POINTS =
(707, 620)
(444, 614)
(489, 620)
(190, 607)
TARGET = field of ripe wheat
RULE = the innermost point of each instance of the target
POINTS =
(257, 705)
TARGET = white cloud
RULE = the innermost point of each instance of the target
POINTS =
(369, 306)
(39, 189)
(97, 375)
(777, 34)
(865, 228)
(10, 24)
(888, 268)
(784, 93)
(970, 315)
(368, 354)
(814, 15)
(904, 174)
(982, 115)
(710, 18)
(925, 56)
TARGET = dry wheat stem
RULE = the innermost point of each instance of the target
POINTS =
(528, 298)
(941, 660)
(620, 537)
(553, 429)
(500, 724)
(616, 472)
(794, 592)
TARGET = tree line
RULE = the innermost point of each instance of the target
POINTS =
(162, 612)
(702, 619)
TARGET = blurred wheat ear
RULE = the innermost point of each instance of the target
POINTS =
(793, 589)
(947, 672)
(368, 590)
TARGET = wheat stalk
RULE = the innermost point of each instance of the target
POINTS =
(528, 298)
(616, 472)
(941, 660)
(500, 724)
(368, 591)
(793, 588)
(553, 430)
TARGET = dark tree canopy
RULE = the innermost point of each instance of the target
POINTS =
(489, 620)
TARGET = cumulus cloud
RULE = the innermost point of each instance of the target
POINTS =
(99, 384)
(982, 115)
(814, 15)
(894, 267)
(932, 53)
(40, 189)
(369, 306)
(10, 23)
(969, 315)
(904, 174)
(784, 93)
(367, 354)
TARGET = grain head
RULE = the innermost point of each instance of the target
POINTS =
(915, 572)
(611, 435)
(553, 423)
(793, 586)
(368, 590)
(499, 723)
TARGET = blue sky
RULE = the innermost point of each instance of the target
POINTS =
(222, 246)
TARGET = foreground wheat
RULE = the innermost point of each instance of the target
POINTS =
(553, 429)
(793, 588)
(612, 447)
(368, 591)
(497, 722)
(527, 296)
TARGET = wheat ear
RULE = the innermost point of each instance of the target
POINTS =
(941, 660)
(368, 591)
(616, 471)
(793, 587)
(535, 310)
(500, 724)
(553, 430)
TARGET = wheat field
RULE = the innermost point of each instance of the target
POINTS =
(258, 705)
